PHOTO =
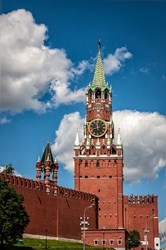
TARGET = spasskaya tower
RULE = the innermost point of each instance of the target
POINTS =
(98, 159)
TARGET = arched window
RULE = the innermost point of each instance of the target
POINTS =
(92, 150)
(97, 164)
(98, 94)
(113, 151)
(86, 164)
(103, 150)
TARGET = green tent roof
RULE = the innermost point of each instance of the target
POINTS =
(99, 77)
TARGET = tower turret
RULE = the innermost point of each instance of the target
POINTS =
(47, 165)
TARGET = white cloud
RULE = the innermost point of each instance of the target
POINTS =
(114, 62)
(144, 140)
(143, 136)
(15, 172)
(29, 67)
(144, 70)
(63, 94)
(162, 226)
(4, 120)
(63, 147)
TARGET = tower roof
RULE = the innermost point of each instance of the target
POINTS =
(99, 77)
(47, 155)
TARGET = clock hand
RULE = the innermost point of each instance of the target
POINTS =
(97, 124)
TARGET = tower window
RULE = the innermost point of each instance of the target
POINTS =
(110, 176)
(86, 164)
(103, 242)
(97, 164)
(119, 242)
(99, 190)
(111, 242)
(90, 94)
(98, 176)
(98, 94)
(95, 242)
(113, 151)
(86, 176)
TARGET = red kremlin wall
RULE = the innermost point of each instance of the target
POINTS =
(58, 212)
(141, 212)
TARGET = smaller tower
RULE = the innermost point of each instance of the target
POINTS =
(47, 165)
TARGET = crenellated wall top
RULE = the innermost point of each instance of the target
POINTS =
(41, 186)
(141, 199)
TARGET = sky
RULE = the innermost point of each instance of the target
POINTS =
(48, 56)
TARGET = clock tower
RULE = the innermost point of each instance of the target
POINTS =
(98, 159)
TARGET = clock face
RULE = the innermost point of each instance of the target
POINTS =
(97, 127)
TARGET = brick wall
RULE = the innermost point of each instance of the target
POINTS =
(142, 212)
(58, 212)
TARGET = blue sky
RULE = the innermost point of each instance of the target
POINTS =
(48, 56)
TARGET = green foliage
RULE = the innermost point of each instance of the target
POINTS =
(13, 216)
(8, 169)
(133, 239)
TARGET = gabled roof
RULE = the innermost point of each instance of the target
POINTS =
(47, 155)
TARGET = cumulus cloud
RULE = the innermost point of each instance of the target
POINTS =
(144, 140)
(30, 69)
(4, 120)
(162, 227)
(143, 136)
(65, 137)
(114, 62)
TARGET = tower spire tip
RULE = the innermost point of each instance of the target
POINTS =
(99, 44)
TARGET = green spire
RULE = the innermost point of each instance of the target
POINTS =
(99, 78)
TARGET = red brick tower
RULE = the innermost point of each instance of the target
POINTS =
(47, 165)
(98, 159)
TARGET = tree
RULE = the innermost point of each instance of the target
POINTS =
(8, 169)
(13, 216)
(133, 239)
